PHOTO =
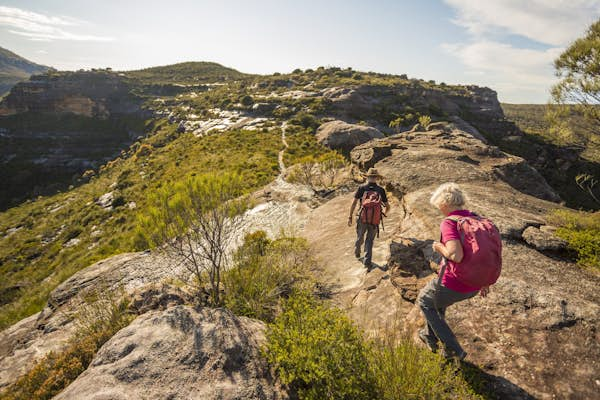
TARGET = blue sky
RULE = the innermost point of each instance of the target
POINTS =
(508, 45)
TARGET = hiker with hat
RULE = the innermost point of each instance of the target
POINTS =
(370, 214)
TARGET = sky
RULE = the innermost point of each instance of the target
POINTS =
(507, 45)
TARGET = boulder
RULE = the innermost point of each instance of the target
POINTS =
(49, 330)
(180, 353)
(105, 201)
(339, 135)
(543, 240)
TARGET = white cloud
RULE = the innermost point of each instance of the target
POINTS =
(40, 27)
(553, 22)
(492, 57)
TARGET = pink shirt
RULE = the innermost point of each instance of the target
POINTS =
(450, 232)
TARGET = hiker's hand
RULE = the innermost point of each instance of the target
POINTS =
(350, 220)
(484, 291)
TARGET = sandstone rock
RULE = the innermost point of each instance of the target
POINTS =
(180, 353)
(105, 201)
(342, 136)
(430, 158)
(32, 338)
(263, 108)
(543, 240)
(366, 156)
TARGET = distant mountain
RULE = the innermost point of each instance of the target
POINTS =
(14, 68)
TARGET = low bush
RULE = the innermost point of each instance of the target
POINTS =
(404, 371)
(581, 230)
(318, 352)
(264, 272)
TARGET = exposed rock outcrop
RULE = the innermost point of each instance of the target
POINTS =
(180, 353)
(340, 135)
(536, 334)
(89, 93)
(49, 330)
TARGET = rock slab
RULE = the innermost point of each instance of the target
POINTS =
(180, 353)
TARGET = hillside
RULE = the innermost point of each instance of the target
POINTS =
(65, 250)
(186, 73)
(14, 68)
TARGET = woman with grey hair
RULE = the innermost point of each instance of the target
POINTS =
(448, 289)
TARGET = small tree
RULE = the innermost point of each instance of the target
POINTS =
(318, 172)
(330, 165)
(196, 221)
(578, 90)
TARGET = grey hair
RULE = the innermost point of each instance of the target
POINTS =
(449, 194)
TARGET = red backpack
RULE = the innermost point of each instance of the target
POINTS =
(482, 251)
(370, 208)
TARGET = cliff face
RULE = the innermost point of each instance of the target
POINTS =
(98, 94)
(58, 125)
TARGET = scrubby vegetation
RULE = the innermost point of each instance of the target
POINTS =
(196, 221)
(582, 231)
(186, 73)
(321, 354)
(264, 272)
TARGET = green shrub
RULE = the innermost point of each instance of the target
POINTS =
(404, 371)
(247, 100)
(318, 352)
(305, 120)
(264, 272)
(424, 120)
(581, 230)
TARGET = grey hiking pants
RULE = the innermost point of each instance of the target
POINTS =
(370, 231)
(433, 300)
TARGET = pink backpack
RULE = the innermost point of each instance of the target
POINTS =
(482, 248)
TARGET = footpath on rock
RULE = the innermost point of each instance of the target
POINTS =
(535, 336)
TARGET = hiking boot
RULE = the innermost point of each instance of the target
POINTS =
(428, 340)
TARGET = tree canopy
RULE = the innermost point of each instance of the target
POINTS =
(578, 69)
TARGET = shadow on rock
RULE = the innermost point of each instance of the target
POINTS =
(491, 387)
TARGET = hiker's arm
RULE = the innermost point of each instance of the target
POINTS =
(452, 250)
(352, 211)
(387, 207)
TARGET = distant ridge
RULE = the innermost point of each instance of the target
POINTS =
(187, 72)
(14, 68)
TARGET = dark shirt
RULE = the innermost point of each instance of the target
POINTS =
(371, 187)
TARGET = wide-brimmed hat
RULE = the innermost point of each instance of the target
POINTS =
(372, 172)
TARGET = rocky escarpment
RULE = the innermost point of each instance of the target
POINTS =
(368, 102)
(535, 335)
(88, 93)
